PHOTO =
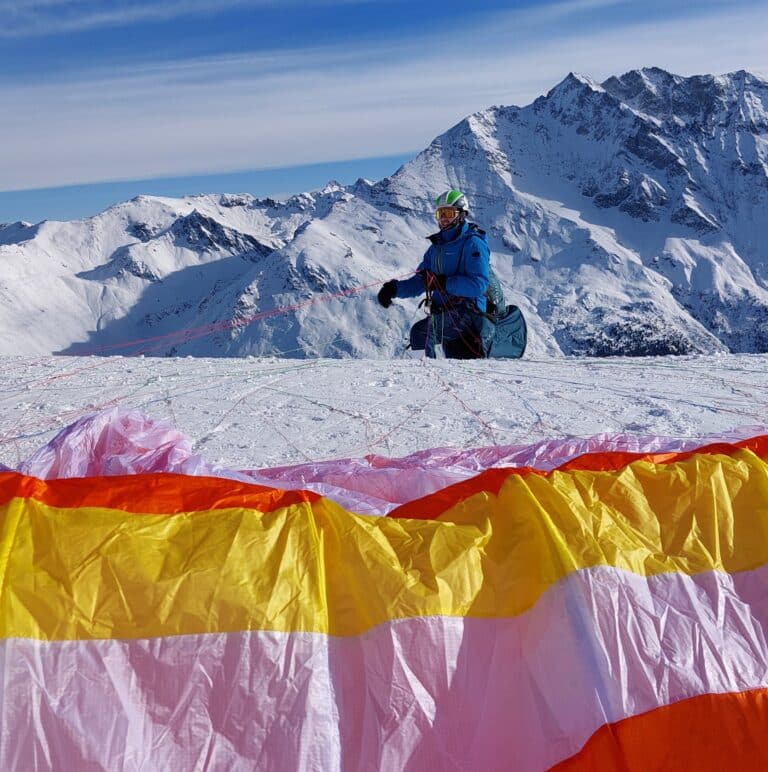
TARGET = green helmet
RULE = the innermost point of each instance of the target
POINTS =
(453, 198)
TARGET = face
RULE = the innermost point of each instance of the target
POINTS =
(446, 216)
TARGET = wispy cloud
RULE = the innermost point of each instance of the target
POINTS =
(323, 104)
(558, 11)
(26, 18)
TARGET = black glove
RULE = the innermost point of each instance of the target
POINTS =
(387, 292)
(434, 281)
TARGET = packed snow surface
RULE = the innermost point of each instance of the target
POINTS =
(249, 414)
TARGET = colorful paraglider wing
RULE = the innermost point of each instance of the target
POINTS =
(608, 613)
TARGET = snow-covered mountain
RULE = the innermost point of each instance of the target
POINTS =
(625, 218)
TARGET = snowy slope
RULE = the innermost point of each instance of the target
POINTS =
(628, 217)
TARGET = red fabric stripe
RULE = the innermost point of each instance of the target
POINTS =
(712, 732)
(433, 506)
(161, 493)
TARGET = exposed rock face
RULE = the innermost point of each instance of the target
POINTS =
(198, 232)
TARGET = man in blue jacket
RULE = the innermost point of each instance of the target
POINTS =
(454, 274)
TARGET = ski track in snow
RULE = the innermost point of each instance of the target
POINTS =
(257, 413)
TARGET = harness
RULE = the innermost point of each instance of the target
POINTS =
(452, 303)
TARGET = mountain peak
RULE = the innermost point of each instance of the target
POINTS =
(16, 232)
(331, 187)
(745, 77)
(702, 100)
(573, 94)
(574, 81)
(641, 83)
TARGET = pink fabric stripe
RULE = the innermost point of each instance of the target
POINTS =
(119, 441)
(437, 693)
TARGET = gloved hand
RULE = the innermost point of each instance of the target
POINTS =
(434, 281)
(387, 292)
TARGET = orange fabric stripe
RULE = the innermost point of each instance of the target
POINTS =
(167, 493)
(161, 493)
(435, 504)
(711, 732)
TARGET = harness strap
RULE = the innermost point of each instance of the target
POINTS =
(453, 304)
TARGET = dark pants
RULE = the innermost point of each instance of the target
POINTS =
(463, 333)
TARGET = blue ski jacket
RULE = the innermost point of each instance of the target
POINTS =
(462, 255)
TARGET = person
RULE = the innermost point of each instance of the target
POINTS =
(454, 273)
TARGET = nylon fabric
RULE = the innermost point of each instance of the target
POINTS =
(711, 732)
(92, 572)
(591, 651)
(593, 602)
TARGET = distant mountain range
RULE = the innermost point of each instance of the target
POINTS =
(625, 218)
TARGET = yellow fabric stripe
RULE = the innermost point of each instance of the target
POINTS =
(99, 573)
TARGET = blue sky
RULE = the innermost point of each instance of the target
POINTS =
(105, 100)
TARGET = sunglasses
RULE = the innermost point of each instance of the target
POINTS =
(447, 212)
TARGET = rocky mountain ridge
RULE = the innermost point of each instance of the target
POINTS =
(625, 218)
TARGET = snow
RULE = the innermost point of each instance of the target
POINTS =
(256, 413)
